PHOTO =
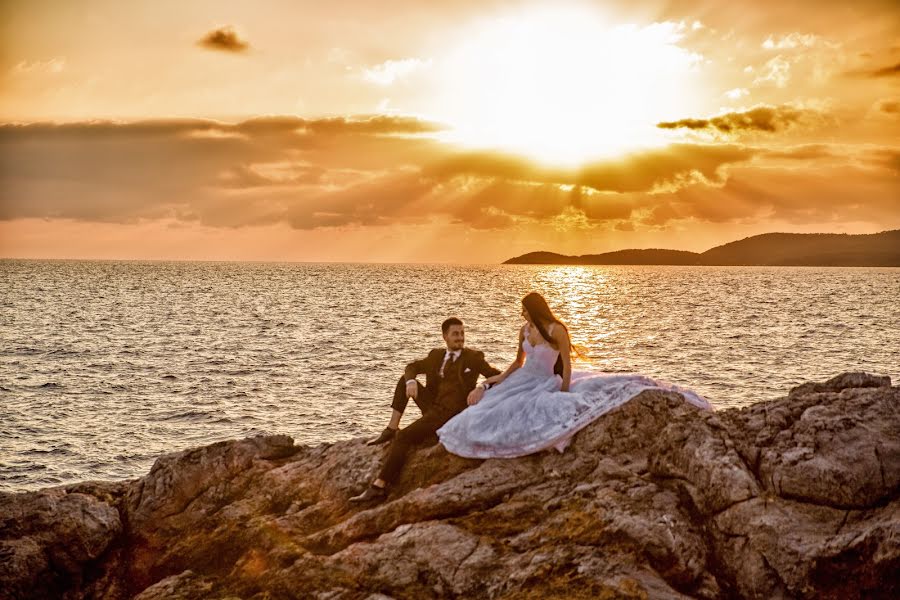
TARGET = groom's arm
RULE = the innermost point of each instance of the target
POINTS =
(417, 367)
(482, 366)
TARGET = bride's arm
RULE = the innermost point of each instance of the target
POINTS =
(476, 394)
(516, 364)
(561, 338)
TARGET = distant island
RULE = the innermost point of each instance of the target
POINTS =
(769, 249)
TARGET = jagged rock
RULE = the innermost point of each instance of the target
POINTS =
(48, 537)
(841, 382)
(794, 498)
(183, 586)
(696, 449)
(829, 444)
(773, 548)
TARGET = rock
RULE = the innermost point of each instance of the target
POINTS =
(794, 498)
(49, 538)
(782, 548)
(842, 382)
(183, 586)
(838, 448)
(696, 449)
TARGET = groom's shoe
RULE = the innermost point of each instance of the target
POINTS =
(373, 493)
(386, 436)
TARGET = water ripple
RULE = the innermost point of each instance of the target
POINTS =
(106, 365)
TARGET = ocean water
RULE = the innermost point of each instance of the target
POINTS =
(106, 365)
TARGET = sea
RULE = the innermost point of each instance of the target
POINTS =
(106, 365)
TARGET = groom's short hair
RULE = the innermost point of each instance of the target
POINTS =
(446, 325)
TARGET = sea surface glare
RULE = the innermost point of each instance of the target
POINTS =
(106, 365)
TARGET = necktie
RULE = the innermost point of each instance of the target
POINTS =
(450, 358)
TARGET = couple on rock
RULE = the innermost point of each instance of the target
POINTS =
(538, 402)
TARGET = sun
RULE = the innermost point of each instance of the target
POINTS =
(565, 85)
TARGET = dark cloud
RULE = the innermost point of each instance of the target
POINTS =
(888, 106)
(769, 119)
(644, 171)
(640, 171)
(374, 125)
(889, 71)
(885, 158)
(368, 125)
(509, 199)
(372, 171)
(798, 196)
(804, 152)
(224, 39)
(271, 175)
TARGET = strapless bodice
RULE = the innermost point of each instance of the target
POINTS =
(539, 359)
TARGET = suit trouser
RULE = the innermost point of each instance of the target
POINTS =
(420, 430)
(423, 399)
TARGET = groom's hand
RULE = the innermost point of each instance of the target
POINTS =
(475, 396)
(412, 389)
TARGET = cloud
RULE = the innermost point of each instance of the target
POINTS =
(737, 93)
(777, 72)
(811, 195)
(884, 158)
(768, 119)
(888, 106)
(790, 41)
(374, 125)
(188, 168)
(804, 152)
(390, 71)
(212, 129)
(52, 65)
(223, 39)
(376, 171)
(889, 71)
(640, 171)
(279, 173)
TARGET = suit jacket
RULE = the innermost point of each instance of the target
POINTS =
(472, 364)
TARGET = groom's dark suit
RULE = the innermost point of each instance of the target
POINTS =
(440, 399)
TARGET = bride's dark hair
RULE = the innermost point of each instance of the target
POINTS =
(540, 313)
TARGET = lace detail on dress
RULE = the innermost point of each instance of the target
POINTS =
(539, 359)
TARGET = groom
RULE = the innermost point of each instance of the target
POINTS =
(450, 375)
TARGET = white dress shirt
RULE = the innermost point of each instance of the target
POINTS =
(455, 354)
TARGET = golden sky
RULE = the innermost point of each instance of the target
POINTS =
(463, 131)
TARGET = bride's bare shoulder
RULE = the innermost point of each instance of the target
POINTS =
(558, 332)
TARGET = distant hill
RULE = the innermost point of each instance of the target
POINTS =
(769, 249)
(652, 256)
(819, 249)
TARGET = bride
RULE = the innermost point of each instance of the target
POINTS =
(538, 402)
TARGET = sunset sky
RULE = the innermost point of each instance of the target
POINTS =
(455, 131)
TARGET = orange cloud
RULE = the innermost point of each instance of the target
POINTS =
(804, 152)
(889, 71)
(890, 106)
(311, 174)
(769, 119)
(224, 39)
(639, 171)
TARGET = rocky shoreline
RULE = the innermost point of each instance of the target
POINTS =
(793, 498)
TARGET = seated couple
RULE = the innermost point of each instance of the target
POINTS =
(538, 402)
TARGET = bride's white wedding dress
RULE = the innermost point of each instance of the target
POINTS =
(528, 413)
